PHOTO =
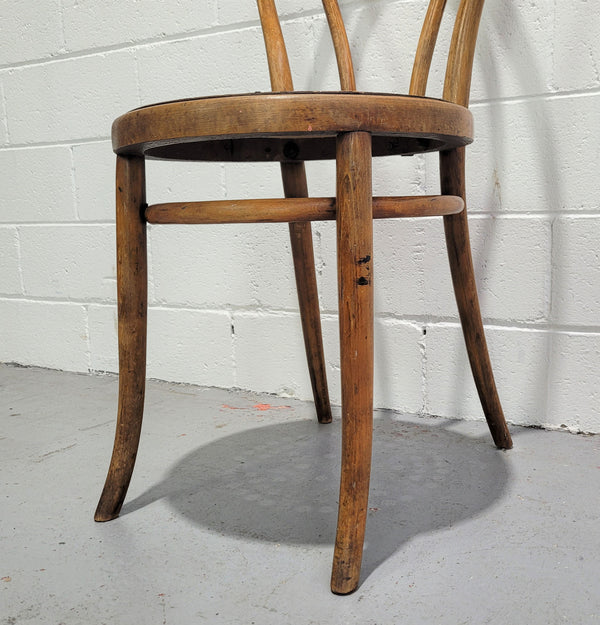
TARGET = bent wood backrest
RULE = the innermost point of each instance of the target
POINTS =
(457, 83)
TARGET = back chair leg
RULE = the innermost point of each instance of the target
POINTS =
(452, 173)
(294, 184)
(355, 266)
(132, 302)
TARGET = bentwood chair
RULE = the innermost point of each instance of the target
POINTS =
(291, 127)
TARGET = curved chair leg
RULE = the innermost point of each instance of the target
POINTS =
(294, 184)
(132, 303)
(452, 173)
(354, 252)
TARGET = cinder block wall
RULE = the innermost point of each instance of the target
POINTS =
(223, 306)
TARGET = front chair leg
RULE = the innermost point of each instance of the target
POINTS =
(132, 303)
(355, 262)
(452, 173)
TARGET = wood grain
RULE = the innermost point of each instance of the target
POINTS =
(132, 294)
(293, 176)
(294, 185)
(292, 149)
(295, 209)
(457, 84)
(297, 114)
(340, 45)
(452, 174)
(426, 46)
(277, 57)
(355, 295)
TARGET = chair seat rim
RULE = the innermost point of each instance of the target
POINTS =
(306, 115)
(270, 94)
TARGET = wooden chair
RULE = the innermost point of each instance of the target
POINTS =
(292, 127)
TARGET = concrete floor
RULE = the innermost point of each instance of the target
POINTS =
(231, 514)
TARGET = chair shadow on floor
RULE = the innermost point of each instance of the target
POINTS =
(279, 483)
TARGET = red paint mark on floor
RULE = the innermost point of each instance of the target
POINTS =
(269, 407)
(261, 407)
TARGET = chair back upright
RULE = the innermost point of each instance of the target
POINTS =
(457, 82)
(279, 66)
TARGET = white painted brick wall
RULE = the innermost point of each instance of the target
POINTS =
(45, 174)
(44, 333)
(79, 96)
(89, 24)
(34, 31)
(69, 262)
(10, 276)
(223, 308)
(3, 122)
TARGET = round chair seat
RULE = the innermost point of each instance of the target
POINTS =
(302, 126)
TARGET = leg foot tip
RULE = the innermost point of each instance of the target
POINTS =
(345, 588)
(344, 583)
(101, 516)
(324, 414)
(504, 442)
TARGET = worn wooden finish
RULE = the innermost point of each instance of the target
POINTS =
(355, 297)
(277, 57)
(310, 316)
(291, 149)
(132, 303)
(457, 84)
(426, 46)
(295, 209)
(293, 175)
(292, 127)
(340, 45)
(302, 115)
(452, 174)
(294, 184)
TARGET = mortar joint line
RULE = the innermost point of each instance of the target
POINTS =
(61, 12)
(423, 349)
(215, 29)
(547, 96)
(551, 302)
(74, 184)
(417, 321)
(4, 113)
(233, 346)
(88, 338)
(553, 51)
(54, 144)
(473, 216)
(20, 260)
(136, 69)
(150, 266)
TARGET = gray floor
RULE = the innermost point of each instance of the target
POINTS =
(231, 515)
